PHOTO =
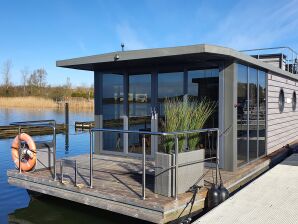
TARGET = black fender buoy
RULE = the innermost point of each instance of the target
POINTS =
(223, 193)
(213, 196)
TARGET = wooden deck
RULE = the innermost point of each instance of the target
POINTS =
(117, 186)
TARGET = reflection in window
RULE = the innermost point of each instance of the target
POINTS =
(139, 100)
(251, 109)
(204, 84)
(112, 105)
(242, 113)
(112, 96)
(139, 95)
(253, 113)
(170, 85)
(262, 112)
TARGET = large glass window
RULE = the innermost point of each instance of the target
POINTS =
(139, 100)
(170, 85)
(251, 114)
(242, 114)
(112, 105)
(204, 84)
(262, 113)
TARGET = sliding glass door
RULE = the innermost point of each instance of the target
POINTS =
(242, 114)
(112, 106)
(251, 114)
(139, 106)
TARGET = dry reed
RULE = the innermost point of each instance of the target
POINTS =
(42, 103)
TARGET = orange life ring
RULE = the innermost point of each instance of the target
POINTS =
(28, 155)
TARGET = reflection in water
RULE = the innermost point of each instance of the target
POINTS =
(46, 210)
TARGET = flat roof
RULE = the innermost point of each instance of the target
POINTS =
(157, 56)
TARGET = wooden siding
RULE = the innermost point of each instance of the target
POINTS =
(281, 127)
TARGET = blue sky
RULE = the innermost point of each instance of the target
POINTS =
(35, 33)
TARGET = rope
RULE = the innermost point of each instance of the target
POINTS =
(187, 220)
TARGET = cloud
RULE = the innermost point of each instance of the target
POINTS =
(82, 46)
(130, 37)
(250, 25)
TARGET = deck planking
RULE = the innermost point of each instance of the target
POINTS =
(117, 185)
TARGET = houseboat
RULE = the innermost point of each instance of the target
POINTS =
(254, 125)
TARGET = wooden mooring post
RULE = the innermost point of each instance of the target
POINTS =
(66, 127)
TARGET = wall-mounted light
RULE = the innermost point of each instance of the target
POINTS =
(116, 57)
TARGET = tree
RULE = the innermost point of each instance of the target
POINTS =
(6, 72)
(24, 73)
(37, 80)
(32, 82)
(41, 77)
(68, 87)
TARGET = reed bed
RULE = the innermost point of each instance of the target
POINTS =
(78, 104)
(43, 103)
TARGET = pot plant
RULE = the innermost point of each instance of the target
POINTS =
(188, 114)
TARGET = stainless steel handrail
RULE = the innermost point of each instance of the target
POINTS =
(144, 133)
(38, 123)
(285, 51)
(270, 48)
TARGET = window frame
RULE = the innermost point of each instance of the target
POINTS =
(281, 100)
(294, 101)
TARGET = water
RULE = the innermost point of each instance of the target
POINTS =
(16, 206)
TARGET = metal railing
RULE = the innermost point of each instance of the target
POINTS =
(146, 133)
(38, 123)
(291, 56)
(52, 124)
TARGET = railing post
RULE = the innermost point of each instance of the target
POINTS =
(91, 159)
(19, 138)
(54, 150)
(144, 168)
(176, 166)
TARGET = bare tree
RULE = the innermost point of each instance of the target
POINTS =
(68, 83)
(41, 77)
(32, 81)
(6, 72)
(24, 73)
(68, 86)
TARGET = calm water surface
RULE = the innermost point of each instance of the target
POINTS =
(16, 206)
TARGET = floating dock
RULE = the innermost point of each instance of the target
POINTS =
(84, 125)
(10, 131)
(272, 198)
(117, 185)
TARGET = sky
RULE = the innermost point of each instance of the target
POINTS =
(35, 33)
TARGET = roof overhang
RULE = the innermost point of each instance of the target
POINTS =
(184, 55)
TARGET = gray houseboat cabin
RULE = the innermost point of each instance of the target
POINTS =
(127, 172)
(255, 95)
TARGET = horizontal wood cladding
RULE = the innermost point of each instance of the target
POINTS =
(282, 128)
(276, 145)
